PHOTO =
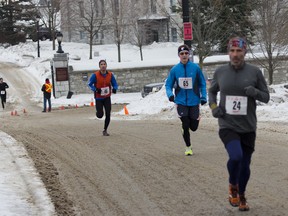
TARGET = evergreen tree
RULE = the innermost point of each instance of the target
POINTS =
(214, 21)
(206, 32)
(16, 17)
(234, 19)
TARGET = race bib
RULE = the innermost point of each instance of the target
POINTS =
(2, 92)
(185, 82)
(236, 105)
(105, 91)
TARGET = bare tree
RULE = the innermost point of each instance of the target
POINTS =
(138, 40)
(271, 20)
(119, 17)
(206, 33)
(137, 34)
(49, 10)
(89, 17)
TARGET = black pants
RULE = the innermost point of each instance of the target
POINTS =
(106, 104)
(3, 100)
(189, 116)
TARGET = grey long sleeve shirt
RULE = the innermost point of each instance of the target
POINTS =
(231, 83)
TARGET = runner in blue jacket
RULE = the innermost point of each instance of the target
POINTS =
(189, 92)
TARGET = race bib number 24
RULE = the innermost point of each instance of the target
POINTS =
(236, 105)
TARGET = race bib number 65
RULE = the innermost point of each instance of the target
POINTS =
(236, 105)
(185, 82)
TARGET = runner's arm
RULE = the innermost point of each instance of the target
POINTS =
(91, 82)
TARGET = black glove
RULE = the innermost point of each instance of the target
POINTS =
(250, 91)
(203, 101)
(114, 91)
(98, 90)
(171, 98)
(217, 112)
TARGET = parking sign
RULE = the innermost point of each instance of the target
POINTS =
(187, 27)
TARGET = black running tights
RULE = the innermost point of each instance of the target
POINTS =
(106, 103)
(188, 123)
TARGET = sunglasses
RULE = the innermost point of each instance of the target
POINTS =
(184, 53)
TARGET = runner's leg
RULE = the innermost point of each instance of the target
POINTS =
(185, 127)
(99, 108)
(107, 107)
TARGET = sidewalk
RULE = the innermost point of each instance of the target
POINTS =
(21, 190)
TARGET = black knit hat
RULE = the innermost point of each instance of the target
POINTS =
(183, 47)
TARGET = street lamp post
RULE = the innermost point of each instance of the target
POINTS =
(52, 77)
(38, 44)
(59, 39)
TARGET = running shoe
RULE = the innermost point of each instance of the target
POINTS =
(105, 133)
(189, 151)
(233, 195)
(243, 205)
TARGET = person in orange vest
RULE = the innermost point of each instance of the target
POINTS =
(47, 89)
(102, 83)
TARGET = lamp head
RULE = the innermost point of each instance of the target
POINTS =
(59, 37)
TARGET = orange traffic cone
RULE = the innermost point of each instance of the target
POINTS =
(12, 113)
(15, 113)
(126, 110)
(92, 103)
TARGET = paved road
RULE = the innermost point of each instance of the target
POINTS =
(22, 88)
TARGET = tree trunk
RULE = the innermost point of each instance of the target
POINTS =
(141, 53)
(90, 44)
(270, 67)
(119, 51)
(201, 60)
(270, 71)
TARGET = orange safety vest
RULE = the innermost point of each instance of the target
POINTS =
(103, 82)
(48, 87)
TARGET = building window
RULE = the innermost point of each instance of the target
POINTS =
(155, 36)
(174, 34)
(173, 6)
(96, 5)
(153, 7)
(116, 7)
(102, 8)
(81, 8)
(82, 35)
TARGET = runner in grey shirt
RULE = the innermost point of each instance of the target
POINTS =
(240, 85)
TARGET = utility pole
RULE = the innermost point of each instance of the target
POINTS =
(187, 26)
(38, 44)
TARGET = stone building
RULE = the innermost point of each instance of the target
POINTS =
(123, 20)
